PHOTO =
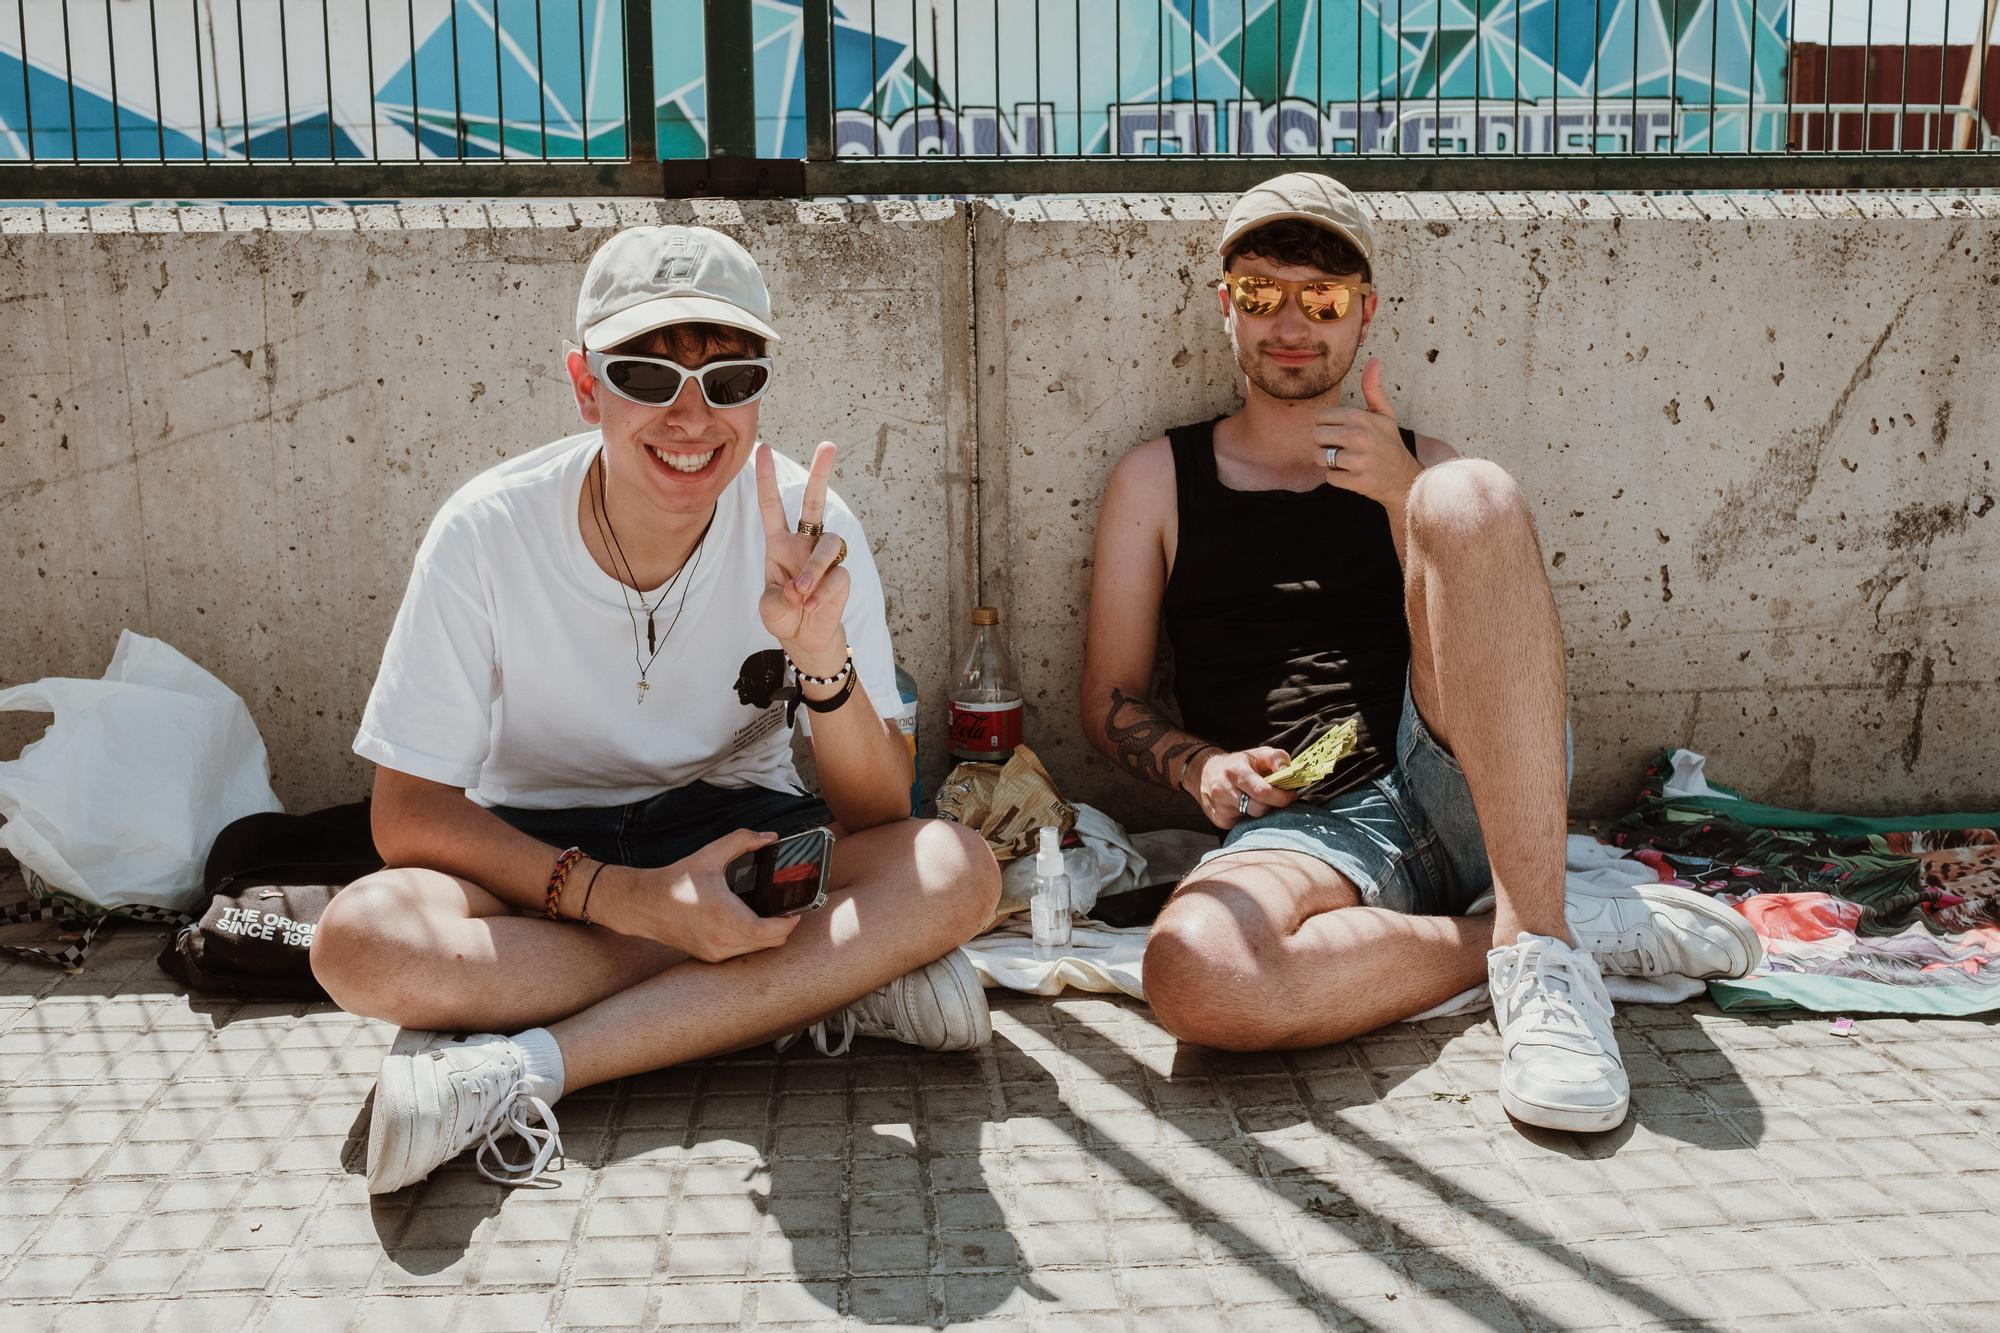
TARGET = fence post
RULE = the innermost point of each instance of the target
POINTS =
(642, 129)
(819, 79)
(732, 80)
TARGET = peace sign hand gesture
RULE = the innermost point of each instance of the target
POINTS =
(805, 590)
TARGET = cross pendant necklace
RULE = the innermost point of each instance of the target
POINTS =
(630, 582)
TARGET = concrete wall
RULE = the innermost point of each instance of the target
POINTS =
(1760, 449)
(233, 439)
(1758, 438)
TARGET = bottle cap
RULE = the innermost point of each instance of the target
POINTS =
(985, 615)
(1048, 856)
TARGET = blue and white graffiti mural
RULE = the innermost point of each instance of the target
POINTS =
(404, 79)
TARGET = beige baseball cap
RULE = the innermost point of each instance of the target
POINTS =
(1309, 197)
(645, 278)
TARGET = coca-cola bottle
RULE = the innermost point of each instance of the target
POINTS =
(985, 702)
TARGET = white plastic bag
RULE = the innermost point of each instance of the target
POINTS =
(1105, 863)
(120, 799)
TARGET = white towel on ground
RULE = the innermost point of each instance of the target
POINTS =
(1108, 959)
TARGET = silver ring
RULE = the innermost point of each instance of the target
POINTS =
(1332, 457)
(1242, 802)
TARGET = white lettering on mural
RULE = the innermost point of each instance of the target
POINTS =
(1295, 126)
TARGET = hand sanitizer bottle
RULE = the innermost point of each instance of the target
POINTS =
(1048, 910)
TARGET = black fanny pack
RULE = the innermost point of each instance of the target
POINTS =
(271, 877)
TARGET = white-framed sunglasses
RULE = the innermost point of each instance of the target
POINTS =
(653, 381)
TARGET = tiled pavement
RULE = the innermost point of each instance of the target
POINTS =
(167, 1163)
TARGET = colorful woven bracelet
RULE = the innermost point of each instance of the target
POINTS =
(558, 879)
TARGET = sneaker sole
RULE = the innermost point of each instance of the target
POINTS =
(962, 979)
(1573, 1119)
(1749, 950)
(952, 986)
(399, 1090)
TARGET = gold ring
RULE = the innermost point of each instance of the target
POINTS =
(809, 529)
(841, 554)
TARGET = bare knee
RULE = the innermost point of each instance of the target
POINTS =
(369, 945)
(1469, 508)
(1209, 980)
(959, 877)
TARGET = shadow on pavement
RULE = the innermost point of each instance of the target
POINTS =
(1307, 1180)
(865, 1181)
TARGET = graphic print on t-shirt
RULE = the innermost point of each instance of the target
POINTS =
(762, 676)
(758, 684)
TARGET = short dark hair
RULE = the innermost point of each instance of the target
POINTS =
(694, 341)
(1300, 244)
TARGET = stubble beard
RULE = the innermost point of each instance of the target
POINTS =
(1291, 384)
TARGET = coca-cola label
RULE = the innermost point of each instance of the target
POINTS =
(984, 731)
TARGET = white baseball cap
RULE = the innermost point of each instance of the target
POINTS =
(1309, 197)
(645, 278)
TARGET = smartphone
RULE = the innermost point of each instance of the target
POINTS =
(786, 878)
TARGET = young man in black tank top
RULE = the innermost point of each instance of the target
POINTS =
(1315, 562)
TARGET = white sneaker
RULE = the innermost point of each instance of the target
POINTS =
(1661, 930)
(415, 1041)
(1559, 1063)
(940, 1007)
(437, 1094)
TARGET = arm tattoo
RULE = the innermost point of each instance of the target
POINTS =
(1147, 746)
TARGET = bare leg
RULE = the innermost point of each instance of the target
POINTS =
(425, 950)
(1271, 951)
(1488, 675)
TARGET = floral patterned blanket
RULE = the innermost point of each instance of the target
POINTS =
(1856, 914)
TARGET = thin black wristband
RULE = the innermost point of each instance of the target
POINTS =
(828, 705)
(585, 915)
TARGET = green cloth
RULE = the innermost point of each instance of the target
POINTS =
(1843, 995)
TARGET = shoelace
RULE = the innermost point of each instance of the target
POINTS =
(822, 1034)
(516, 1102)
(848, 1021)
(1645, 959)
(1567, 993)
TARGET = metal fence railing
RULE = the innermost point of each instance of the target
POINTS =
(314, 99)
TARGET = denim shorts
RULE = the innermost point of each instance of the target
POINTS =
(662, 829)
(1408, 841)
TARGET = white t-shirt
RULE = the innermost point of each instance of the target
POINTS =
(511, 672)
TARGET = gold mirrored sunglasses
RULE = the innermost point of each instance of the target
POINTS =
(1323, 300)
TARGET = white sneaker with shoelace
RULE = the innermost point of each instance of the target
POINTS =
(1559, 1062)
(438, 1094)
(940, 1007)
(1660, 930)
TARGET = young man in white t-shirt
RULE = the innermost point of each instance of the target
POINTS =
(581, 715)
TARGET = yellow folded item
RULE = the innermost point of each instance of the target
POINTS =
(1313, 763)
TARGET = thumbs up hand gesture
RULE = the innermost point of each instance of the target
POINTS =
(1361, 447)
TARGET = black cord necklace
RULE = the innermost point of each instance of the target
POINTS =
(628, 586)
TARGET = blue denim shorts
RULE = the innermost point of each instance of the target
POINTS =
(1408, 841)
(662, 829)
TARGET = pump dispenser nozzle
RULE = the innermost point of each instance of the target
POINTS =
(1048, 854)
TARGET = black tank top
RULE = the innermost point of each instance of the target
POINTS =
(1285, 613)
